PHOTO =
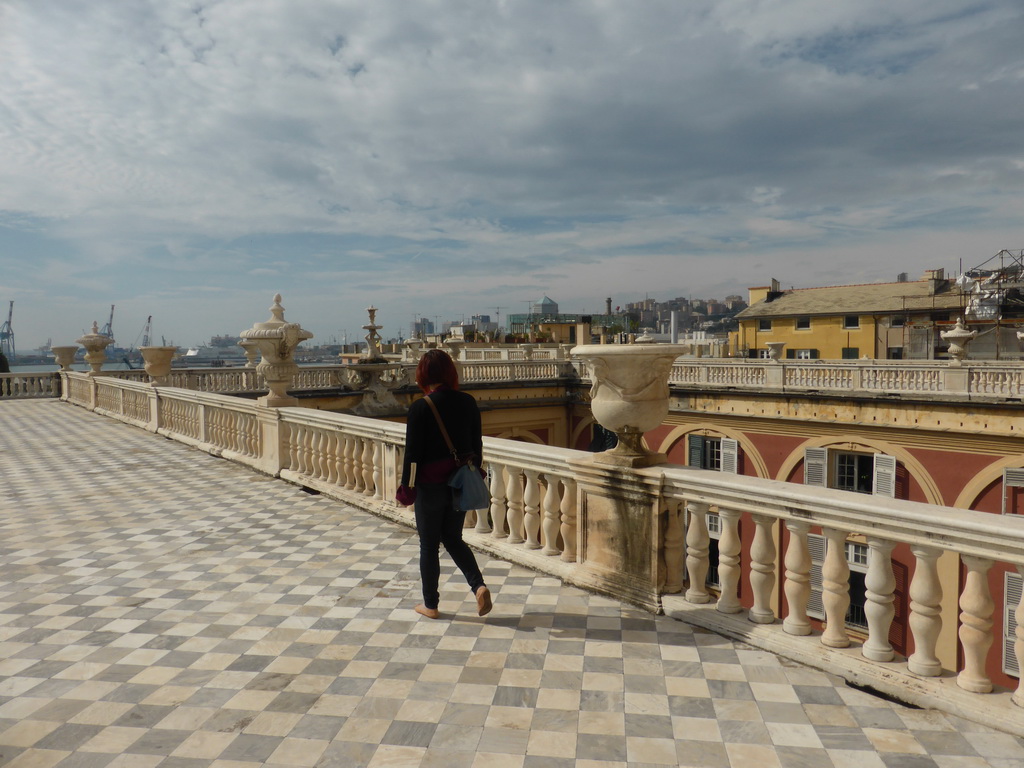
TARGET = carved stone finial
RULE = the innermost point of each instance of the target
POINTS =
(277, 311)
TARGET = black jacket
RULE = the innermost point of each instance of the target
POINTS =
(424, 443)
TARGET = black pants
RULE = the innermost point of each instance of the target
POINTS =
(437, 523)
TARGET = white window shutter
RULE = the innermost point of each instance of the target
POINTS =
(1012, 478)
(730, 455)
(1013, 585)
(815, 466)
(884, 481)
(816, 545)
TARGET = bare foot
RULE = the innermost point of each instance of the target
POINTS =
(483, 601)
(430, 613)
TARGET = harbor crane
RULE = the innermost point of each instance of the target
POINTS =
(7, 335)
(108, 329)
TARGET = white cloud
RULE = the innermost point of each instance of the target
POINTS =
(571, 148)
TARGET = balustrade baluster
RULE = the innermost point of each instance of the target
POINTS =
(531, 509)
(331, 457)
(313, 452)
(498, 509)
(762, 570)
(551, 519)
(1018, 644)
(357, 465)
(879, 608)
(293, 447)
(350, 463)
(835, 595)
(925, 612)
(367, 461)
(378, 469)
(729, 562)
(672, 551)
(514, 497)
(323, 454)
(798, 579)
(568, 515)
(976, 607)
(697, 543)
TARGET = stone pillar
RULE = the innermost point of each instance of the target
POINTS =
(618, 514)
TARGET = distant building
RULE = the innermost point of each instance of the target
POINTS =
(900, 320)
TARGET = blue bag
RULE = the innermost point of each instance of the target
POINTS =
(469, 491)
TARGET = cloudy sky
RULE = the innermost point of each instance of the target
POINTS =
(443, 158)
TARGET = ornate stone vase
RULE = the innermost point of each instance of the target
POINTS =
(629, 395)
(64, 356)
(774, 350)
(95, 344)
(157, 361)
(958, 339)
(277, 340)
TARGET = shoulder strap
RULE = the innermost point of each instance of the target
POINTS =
(440, 424)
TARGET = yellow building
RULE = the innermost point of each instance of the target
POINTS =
(893, 321)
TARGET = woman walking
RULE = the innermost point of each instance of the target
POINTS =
(428, 465)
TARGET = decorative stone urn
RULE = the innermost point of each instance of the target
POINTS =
(95, 344)
(64, 356)
(375, 376)
(629, 395)
(157, 361)
(775, 350)
(958, 339)
(528, 350)
(413, 353)
(277, 340)
(252, 352)
(454, 348)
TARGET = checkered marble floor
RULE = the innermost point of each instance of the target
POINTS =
(161, 607)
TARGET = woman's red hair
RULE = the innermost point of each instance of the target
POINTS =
(436, 367)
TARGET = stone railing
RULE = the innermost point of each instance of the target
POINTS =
(888, 377)
(641, 535)
(25, 385)
(892, 377)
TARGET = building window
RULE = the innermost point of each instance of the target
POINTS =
(853, 471)
(895, 353)
(851, 321)
(1013, 585)
(802, 354)
(857, 559)
(803, 323)
(717, 453)
(851, 353)
(714, 534)
(897, 321)
(764, 325)
(1013, 491)
(873, 473)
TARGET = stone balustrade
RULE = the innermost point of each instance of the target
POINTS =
(974, 379)
(641, 535)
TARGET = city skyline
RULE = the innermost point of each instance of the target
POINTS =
(188, 160)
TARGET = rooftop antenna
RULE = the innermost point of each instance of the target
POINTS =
(7, 335)
(108, 329)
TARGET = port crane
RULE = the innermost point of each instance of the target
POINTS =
(7, 335)
(108, 329)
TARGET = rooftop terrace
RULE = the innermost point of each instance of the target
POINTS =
(162, 607)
